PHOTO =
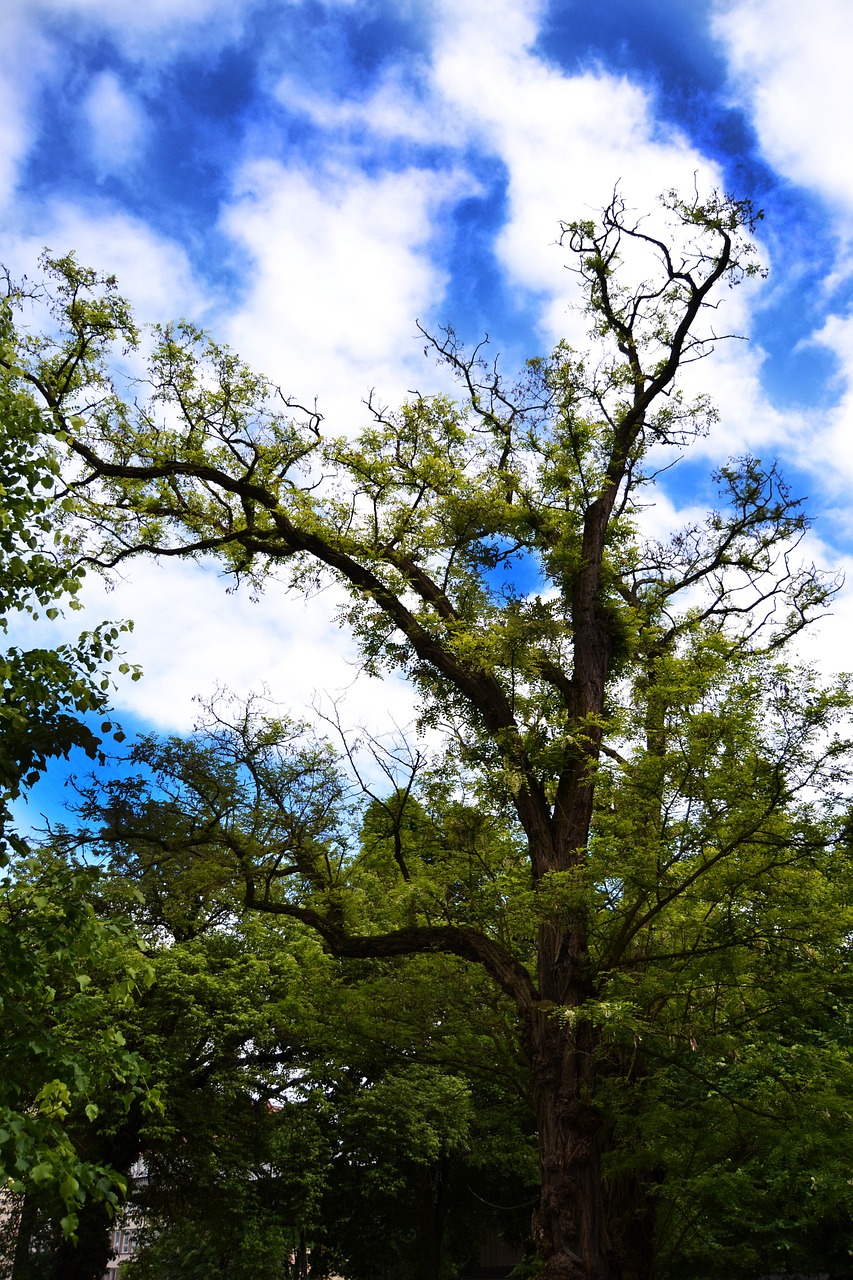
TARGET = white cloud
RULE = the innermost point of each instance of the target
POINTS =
(825, 643)
(341, 263)
(155, 273)
(566, 141)
(36, 53)
(789, 69)
(399, 106)
(117, 124)
(790, 65)
(827, 445)
(191, 637)
(15, 137)
(748, 420)
(342, 267)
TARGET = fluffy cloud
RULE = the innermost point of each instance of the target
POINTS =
(340, 268)
(789, 69)
(399, 106)
(790, 66)
(827, 447)
(565, 140)
(192, 636)
(154, 272)
(343, 250)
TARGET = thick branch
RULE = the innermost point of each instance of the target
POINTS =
(468, 944)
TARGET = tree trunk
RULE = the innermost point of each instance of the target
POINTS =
(433, 1204)
(301, 1263)
(22, 1260)
(88, 1258)
(569, 1227)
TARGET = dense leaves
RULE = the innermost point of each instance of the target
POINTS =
(311, 1108)
(69, 980)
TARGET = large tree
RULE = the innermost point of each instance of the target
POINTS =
(630, 713)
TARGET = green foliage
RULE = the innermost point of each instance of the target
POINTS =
(430, 1122)
(68, 976)
(236, 1155)
(36, 544)
(303, 1099)
(69, 980)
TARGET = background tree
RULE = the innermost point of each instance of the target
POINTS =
(346, 1113)
(69, 1078)
(66, 975)
(236, 1164)
(550, 698)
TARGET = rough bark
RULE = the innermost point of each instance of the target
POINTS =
(569, 1226)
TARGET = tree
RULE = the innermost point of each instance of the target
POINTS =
(342, 1110)
(357, 1154)
(44, 693)
(69, 1078)
(67, 975)
(598, 715)
(236, 1163)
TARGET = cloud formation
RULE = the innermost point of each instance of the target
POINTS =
(790, 67)
(340, 264)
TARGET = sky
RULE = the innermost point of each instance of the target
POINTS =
(309, 179)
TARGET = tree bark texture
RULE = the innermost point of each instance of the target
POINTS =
(569, 1225)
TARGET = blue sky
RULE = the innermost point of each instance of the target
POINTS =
(308, 179)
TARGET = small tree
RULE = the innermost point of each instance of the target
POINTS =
(631, 715)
